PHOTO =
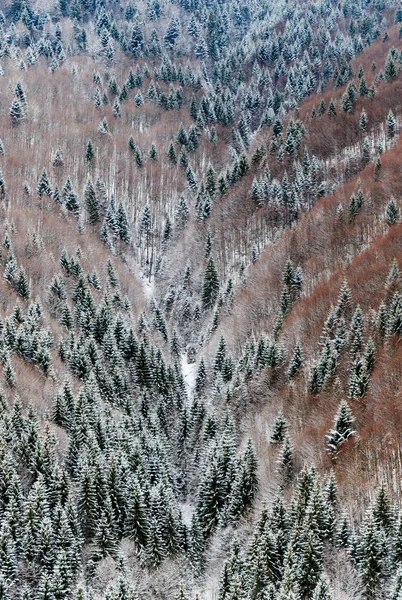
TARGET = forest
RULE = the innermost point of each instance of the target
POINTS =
(200, 300)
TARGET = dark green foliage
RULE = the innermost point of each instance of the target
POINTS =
(16, 112)
(210, 288)
(89, 152)
(279, 430)
(43, 187)
(92, 205)
(392, 213)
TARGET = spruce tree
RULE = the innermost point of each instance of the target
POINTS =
(279, 430)
(392, 214)
(43, 187)
(391, 124)
(285, 465)
(16, 112)
(89, 153)
(210, 288)
(342, 429)
(92, 205)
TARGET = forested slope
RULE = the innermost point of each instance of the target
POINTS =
(201, 301)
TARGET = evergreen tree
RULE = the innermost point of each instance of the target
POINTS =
(43, 187)
(296, 362)
(363, 121)
(392, 213)
(89, 153)
(371, 563)
(285, 462)
(172, 32)
(279, 430)
(343, 427)
(16, 112)
(210, 287)
(9, 374)
(391, 124)
(22, 285)
(91, 203)
(172, 156)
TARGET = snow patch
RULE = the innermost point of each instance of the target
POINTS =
(148, 286)
(189, 372)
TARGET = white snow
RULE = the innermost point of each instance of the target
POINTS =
(148, 286)
(189, 372)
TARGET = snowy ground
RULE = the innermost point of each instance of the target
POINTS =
(148, 287)
(189, 372)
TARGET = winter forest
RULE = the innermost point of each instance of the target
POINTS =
(200, 300)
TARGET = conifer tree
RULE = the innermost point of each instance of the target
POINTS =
(363, 121)
(391, 124)
(9, 374)
(343, 427)
(371, 563)
(43, 187)
(22, 284)
(91, 203)
(285, 462)
(16, 112)
(279, 430)
(89, 153)
(210, 288)
(296, 362)
(392, 214)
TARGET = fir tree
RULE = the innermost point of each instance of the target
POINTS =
(391, 124)
(43, 187)
(285, 462)
(279, 430)
(343, 427)
(296, 362)
(91, 203)
(392, 213)
(210, 288)
(89, 153)
(16, 112)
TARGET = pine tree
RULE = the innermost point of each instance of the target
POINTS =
(22, 285)
(343, 427)
(391, 124)
(396, 589)
(250, 480)
(210, 288)
(89, 153)
(172, 155)
(391, 69)
(153, 154)
(279, 430)
(285, 462)
(363, 121)
(16, 112)
(310, 565)
(91, 203)
(9, 374)
(182, 213)
(371, 563)
(296, 362)
(123, 224)
(392, 215)
(347, 103)
(322, 590)
(104, 539)
(332, 109)
(43, 187)
(172, 32)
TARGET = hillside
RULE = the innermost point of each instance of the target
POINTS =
(200, 300)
